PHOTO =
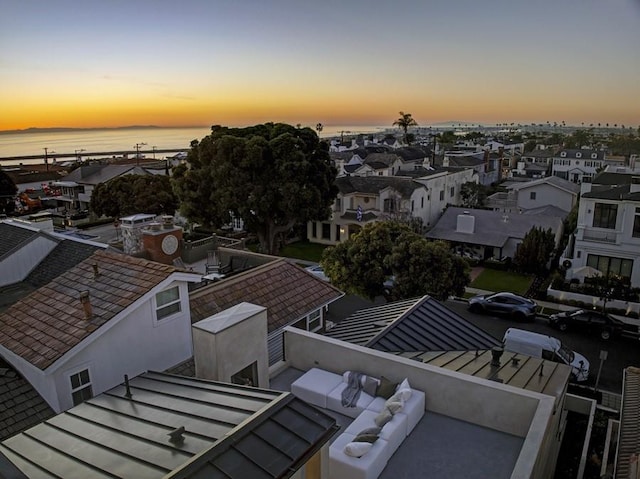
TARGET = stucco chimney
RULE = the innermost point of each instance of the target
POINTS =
(466, 223)
(85, 299)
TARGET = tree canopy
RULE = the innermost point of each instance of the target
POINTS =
(473, 195)
(8, 191)
(131, 194)
(405, 122)
(535, 251)
(272, 176)
(388, 249)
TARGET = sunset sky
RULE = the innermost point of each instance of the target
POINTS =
(94, 63)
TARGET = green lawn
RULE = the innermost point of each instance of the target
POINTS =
(303, 250)
(493, 280)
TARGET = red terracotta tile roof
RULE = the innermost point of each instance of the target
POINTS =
(43, 326)
(286, 290)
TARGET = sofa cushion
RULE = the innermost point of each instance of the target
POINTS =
(334, 401)
(314, 386)
(370, 385)
(386, 388)
(383, 417)
(394, 431)
(357, 449)
(394, 407)
(366, 438)
(368, 466)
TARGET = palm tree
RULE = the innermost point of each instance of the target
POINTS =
(404, 122)
(319, 128)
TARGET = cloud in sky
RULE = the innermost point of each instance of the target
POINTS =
(96, 63)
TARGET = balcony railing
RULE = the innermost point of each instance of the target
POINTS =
(600, 236)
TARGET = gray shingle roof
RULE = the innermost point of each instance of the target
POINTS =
(375, 184)
(490, 228)
(94, 174)
(12, 237)
(618, 193)
(549, 180)
(585, 154)
(21, 407)
(613, 179)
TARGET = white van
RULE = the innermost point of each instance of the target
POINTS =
(545, 347)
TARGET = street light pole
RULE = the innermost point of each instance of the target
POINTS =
(46, 156)
(78, 157)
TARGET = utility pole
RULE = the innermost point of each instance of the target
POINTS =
(138, 145)
(46, 156)
(78, 156)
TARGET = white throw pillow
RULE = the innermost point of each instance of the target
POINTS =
(357, 449)
(405, 394)
(403, 385)
(345, 377)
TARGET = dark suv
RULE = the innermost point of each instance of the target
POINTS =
(591, 321)
(508, 304)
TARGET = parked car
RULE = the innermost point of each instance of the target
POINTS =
(318, 272)
(591, 321)
(508, 304)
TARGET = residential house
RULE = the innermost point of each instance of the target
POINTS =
(577, 165)
(291, 295)
(488, 234)
(164, 426)
(513, 147)
(32, 177)
(530, 195)
(607, 235)
(540, 156)
(110, 315)
(74, 190)
(529, 170)
(485, 165)
(421, 196)
(31, 257)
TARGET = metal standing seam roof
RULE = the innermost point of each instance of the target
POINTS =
(518, 370)
(431, 326)
(629, 434)
(418, 324)
(230, 431)
(362, 326)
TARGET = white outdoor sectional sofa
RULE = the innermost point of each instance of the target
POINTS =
(324, 389)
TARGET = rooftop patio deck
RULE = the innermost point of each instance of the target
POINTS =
(439, 446)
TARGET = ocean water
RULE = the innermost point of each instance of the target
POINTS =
(70, 142)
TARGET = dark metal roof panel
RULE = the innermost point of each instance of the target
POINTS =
(431, 326)
(364, 325)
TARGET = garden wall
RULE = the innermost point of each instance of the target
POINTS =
(576, 299)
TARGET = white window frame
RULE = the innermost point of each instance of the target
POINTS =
(169, 304)
(81, 386)
(312, 318)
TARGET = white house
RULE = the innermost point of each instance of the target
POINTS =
(551, 190)
(577, 165)
(607, 236)
(373, 198)
(110, 315)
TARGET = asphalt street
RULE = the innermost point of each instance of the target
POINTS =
(622, 352)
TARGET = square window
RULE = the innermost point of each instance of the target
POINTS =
(81, 389)
(532, 195)
(168, 302)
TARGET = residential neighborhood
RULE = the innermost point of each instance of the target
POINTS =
(143, 319)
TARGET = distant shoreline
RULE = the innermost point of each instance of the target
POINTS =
(100, 128)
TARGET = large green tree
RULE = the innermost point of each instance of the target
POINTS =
(535, 251)
(387, 249)
(405, 122)
(473, 195)
(131, 194)
(8, 191)
(273, 176)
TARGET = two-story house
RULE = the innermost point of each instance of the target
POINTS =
(577, 165)
(421, 194)
(607, 236)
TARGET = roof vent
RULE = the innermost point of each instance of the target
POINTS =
(496, 354)
(177, 436)
(96, 272)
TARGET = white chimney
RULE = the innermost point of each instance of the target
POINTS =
(466, 223)
(634, 187)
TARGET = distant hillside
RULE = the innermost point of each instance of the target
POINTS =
(66, 130)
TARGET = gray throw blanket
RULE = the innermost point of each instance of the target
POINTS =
(351, 393)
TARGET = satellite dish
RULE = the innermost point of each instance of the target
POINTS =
(566, 263)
